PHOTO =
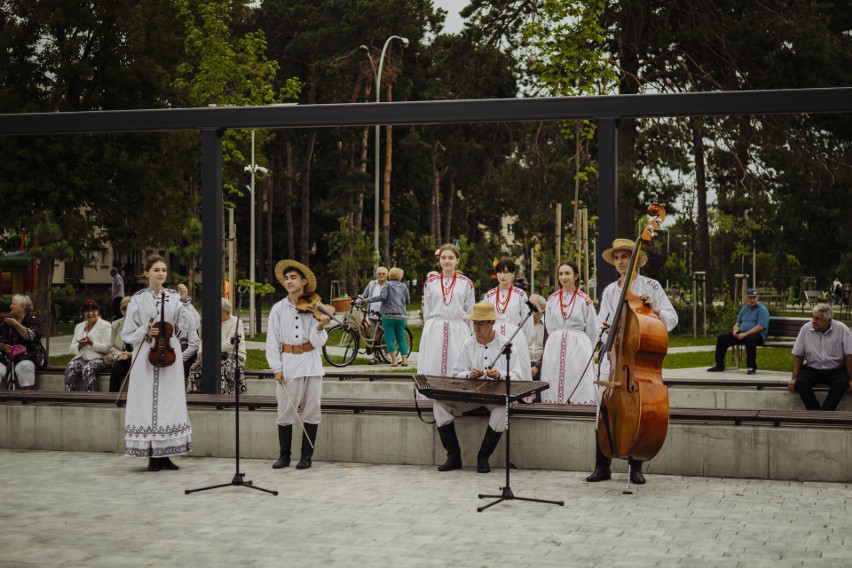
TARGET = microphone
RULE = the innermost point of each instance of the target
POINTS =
(533, 308)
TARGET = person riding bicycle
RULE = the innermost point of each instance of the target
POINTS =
(373, 288)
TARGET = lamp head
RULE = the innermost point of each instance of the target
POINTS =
(404, 41)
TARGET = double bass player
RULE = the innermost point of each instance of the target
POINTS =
(654, 298)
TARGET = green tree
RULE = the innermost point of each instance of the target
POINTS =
(225, 68)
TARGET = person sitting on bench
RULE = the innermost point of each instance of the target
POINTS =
(750, 329)
(479, 358)
(822, 354)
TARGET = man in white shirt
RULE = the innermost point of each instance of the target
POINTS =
(822, 354)
(654, 297)
(293, 342)
(116, 292)
(479, 359)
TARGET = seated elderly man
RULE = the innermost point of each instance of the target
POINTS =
(822, 354)
(750, 329)
(479, 358)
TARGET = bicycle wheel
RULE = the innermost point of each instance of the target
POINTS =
(382, 350)
(342, 346)
(379, 347)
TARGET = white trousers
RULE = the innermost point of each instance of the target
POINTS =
(25, 371)
(305, 394)
(445, 412)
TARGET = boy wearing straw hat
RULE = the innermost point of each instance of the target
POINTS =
(654, 297)
(293, 343)
(479, 358)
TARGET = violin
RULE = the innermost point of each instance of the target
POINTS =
(634, 408)
(162, 354)
(312, 303)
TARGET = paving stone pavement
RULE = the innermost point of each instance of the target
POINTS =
(103, 510)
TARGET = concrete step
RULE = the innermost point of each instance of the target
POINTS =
(803, 452)
(680, 396)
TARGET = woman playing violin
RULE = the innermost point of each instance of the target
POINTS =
(156, 422)
(654, 297)
(294, 336)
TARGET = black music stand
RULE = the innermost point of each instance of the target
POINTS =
(506, 492)
(239, 478)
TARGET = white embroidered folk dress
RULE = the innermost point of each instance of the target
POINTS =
(512, 309)
(572, 327)
(445, 303)
(156, 422)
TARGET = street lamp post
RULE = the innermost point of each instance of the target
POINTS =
(377, 257)
(253, 168)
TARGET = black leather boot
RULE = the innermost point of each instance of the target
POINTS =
(307, 449)
(489, 443)
(154, 464)
(451, 443)
(635, 467)
(603, 465)
(166, 463)
(285, 439)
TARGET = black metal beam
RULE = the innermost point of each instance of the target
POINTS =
(794, 101)
(211, 259)
(607, 197)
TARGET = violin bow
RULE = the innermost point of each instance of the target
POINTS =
(127, 375)
(296, 412)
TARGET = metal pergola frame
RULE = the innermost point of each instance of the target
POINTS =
(605, 110)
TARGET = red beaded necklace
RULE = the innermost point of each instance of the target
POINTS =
(447, 293)
(563, 305)
(505, 304)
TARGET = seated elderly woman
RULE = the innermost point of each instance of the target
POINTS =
(230, 324)
(21, 351)
(92, 340)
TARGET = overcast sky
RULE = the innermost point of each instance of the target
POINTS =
(453, 22)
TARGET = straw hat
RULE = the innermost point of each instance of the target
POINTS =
(483, 311)
(624, 244)
(284, 265)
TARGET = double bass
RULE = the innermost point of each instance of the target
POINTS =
(634, 408)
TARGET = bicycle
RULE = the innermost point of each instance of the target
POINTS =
(351, 332)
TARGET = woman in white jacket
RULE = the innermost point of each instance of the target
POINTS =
(92, 340)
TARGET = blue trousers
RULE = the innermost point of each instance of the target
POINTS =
(395, 334)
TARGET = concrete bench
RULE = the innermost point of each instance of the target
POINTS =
(357, 406)
(782, 332)
(812, 297)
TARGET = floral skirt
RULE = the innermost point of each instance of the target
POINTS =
(228, 373)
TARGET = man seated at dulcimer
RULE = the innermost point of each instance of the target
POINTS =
(481, 357)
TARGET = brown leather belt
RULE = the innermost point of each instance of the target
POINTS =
(297, 349)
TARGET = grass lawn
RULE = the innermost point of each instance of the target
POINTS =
(689, 341)
(768, 359)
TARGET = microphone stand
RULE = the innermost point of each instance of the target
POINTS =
(506, 492)
(239, 478)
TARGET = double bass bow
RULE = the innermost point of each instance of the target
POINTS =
(634, 408)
